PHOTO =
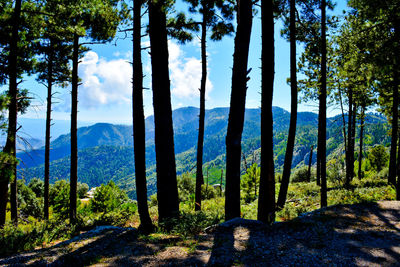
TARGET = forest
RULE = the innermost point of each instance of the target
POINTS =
(191, 168)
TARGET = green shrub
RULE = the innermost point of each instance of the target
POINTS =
(37, 186)
(300, 175)
(108, 198)
(82, 190)
(60, 199)
(383, 174)
(56, 188)
(27, 237)
(250, 182)
(335, 172)
(190, 223)
(28, 203)
(186, 186)
(209, 192)
(153, 200)
(378, 157)
(115, 217)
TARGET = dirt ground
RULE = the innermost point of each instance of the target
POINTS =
(345, 235)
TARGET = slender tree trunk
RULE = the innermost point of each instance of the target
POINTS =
(200, 140)
(349, 142)
(343, 120)
(322, 106)
(266, 194)
(222, 176)
(398, 173)
(360, 155)
(396, 112)
(353, 141)
(309, 165)
(9, 168)
(237, 109)
(167, 191)
(319, 155)
(74, 138)
(139, 139)
(393, 146)
(293, 109)
(48, 125)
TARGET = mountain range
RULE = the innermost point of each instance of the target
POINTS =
(106, 150)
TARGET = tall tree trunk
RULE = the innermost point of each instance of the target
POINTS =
(309, 165)
(237, 109)
(349, 142)
(353, 141)
(139, 139)
(48, 125)
(360, 155)
(9, 168)
(266, 194)
(343, 120)
(200, 140)
(318, 178)
(167, 191)
(322, 106)
(398, 173)
(74, 138)
(222, 176)
(395, 118)
(396, 111)
(293, 109)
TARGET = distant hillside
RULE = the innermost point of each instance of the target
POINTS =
(106, 150)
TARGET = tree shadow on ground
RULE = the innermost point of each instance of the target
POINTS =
(343, 235)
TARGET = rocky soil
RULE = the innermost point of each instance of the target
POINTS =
(345, 235)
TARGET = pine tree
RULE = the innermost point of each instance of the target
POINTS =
(237, 108)
(138, 122)
(167, 191)
(215, 14)
(266, 199)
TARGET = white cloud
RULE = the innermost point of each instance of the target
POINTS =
(104, 82)
(185, 73)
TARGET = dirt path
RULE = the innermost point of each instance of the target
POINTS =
(345, 235)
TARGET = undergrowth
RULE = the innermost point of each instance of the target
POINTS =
(302, 197)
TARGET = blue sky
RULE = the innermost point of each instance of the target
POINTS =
(105, 93)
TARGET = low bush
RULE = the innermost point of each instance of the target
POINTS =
(26, 237)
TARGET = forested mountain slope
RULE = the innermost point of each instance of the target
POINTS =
(105, 150)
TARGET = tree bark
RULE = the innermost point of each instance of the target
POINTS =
(395, 118)
(222, 176)
(353, 141)
(396, 112)
(360, 156)
(167, 191)
(200, 140)
(318, 178)
(398, 173)
(349, 141)
(343, 120)
(48, 125)
(74, 138)
(293, 109)
(322, 106)
(9, 168)
(266, 198)
(309, 165)
(237, 109)
(139, 139)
